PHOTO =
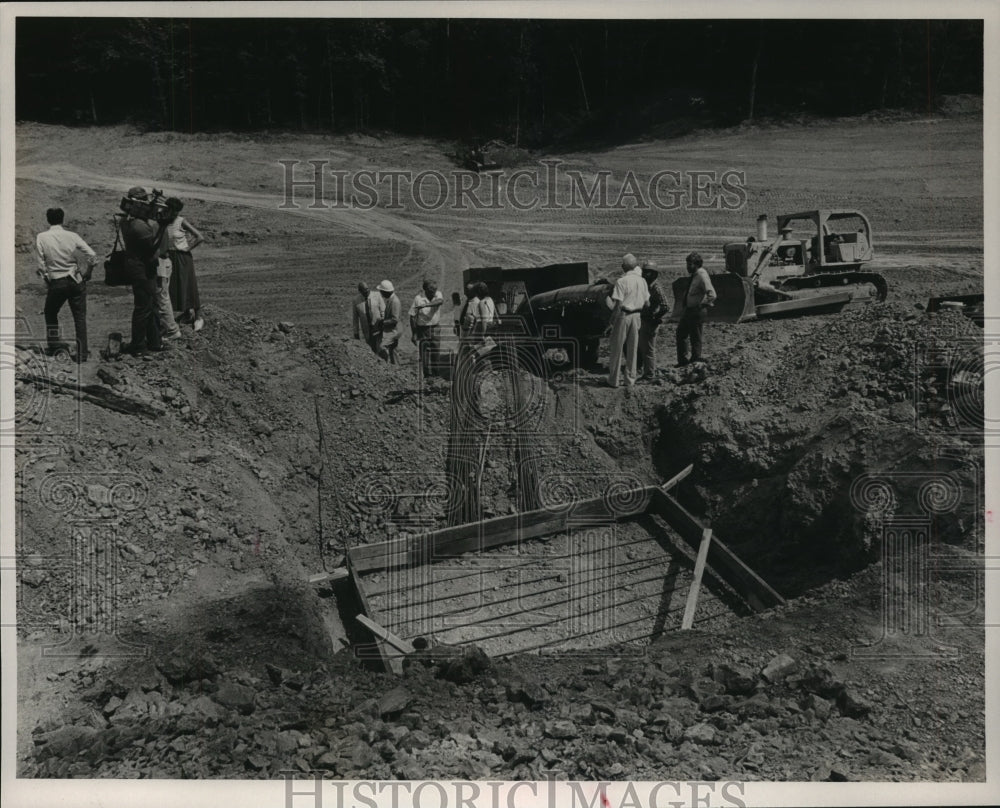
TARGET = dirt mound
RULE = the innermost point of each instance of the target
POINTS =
(848, 427)
(243, 493)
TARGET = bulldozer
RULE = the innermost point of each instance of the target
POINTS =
(822, 250)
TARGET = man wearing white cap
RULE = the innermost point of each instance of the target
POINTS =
(390, 327)
(628, 298)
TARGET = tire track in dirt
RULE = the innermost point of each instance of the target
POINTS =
(971, 240)
(447, 259)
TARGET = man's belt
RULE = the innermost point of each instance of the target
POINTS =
(631, 311)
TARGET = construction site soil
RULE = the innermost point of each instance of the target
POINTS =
(256, 451)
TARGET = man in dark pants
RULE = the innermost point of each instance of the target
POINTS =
(649, 321)
(699, 298)
(142, 242)
(59, 251)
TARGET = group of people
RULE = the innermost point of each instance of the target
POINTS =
(377, 314)
(161, 270)
(639, 307)
(159, 266)
(478, 314)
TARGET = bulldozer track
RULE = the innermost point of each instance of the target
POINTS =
(828, 279)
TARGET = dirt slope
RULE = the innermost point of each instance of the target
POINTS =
(243, 678)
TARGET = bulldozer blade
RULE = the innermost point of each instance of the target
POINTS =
(734, 302)
(815, 304)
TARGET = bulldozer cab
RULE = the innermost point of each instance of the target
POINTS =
(838, 239)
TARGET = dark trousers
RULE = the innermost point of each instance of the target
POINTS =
(690, 327)
(647, 347)
(145, 328)
(67, 290)
(429, 343)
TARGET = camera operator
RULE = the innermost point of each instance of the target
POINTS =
(142, 238)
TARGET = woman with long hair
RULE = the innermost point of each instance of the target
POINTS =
(183, 237)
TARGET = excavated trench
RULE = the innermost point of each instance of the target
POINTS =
(618, 575)
(805, 505)
(801, 496)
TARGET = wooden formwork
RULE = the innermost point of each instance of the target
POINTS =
(653, 505)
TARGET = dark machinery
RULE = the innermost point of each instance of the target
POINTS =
(483, 156)
(972, 306)
(814, 250)
(553, 309)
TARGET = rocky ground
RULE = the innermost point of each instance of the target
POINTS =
(240, 680)
(267, 440)
(749, 714)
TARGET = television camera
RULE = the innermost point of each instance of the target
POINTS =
(146, 207)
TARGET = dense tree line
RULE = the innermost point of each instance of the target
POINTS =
(529, 81)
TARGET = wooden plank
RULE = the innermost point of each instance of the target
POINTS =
(401, 645)
(354, 579)
(99, 395)
(699, 569)
(331, 576)
(452, 541)
(721, 560)
(678, 477)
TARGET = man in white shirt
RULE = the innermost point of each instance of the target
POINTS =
(59, 252)
(487, 315)
(630, 294)
(425, 325)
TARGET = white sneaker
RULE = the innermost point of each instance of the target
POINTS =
(199, 324)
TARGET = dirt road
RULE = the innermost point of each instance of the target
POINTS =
(439, 256)
(918, 180)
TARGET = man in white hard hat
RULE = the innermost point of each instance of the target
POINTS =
(628, 298)
(390, 327)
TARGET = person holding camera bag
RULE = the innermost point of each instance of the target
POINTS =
(58, 251)
(142, 239)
